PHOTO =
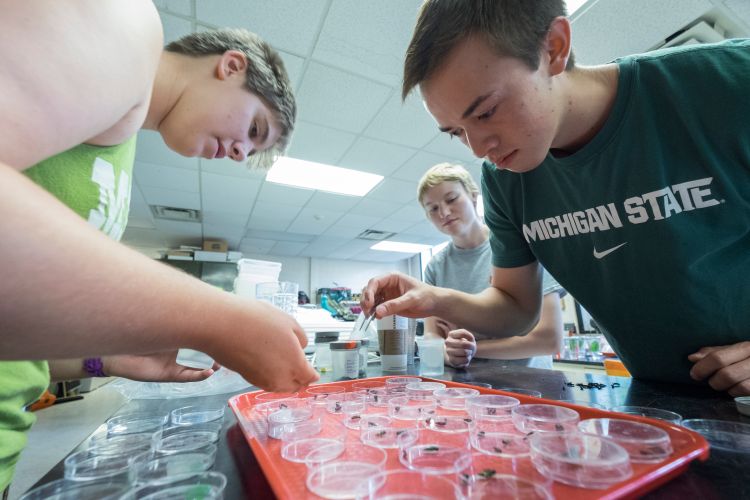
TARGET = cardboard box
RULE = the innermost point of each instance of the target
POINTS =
(215, 246)
(211, 256)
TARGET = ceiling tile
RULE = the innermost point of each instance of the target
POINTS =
(369, 38)
(314, 221)
(222, 193)
(271, 192)
(280, 235)
(171, 198)
(351, 248)
(231, 234)
(281, 211)
(360, 222)
(412, 212)
(394, 190)
(338, 99)
(331, 201)
(260, 223)
(162, 176)
(286, 24)
(406, 123)
(339, 231)
(320, 144)
(369, 206)
(377, 157)
(143, 222)
(288, 248)
(175, 27)
(151, 149)
(392, 225)
(183, 7)
(256, 245)
(225, 166)
(294, 65)
(415, 168)
(228, 219)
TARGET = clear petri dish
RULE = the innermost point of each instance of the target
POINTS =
(160, 469)
(484, 467)
(321, 392)
(388, 437)
(484, 385)
(644, 443)
(282, 418)
(263, 410)
(135, 423)
(346, 403)
(721, 434)
(454, 398)
(524, 392)
(84, 466)
(405, 408)
(379, 397)
(354, 453)
(497, 437)
(367, 385)
(487, 484)
(191, 415)
(581, 460)
(544, 418)
(645, 411)
(184, 442)
(355, 421)
(399, 383)
(132, 444)
(742, 403)
(449, 424)
(206, 486)
(491, 405)
(434, 458)
(422, 390)
(339, 480)
(298, 440)
(210, 427)
(66, 489)
(264, 397)
(404, 484)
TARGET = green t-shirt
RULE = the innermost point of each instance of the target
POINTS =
(647, 225)
(95, 182)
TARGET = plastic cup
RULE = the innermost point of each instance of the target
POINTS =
(286, 297)
(405, 408)
(66, 489)
(579, 459)
(206, 486)
(544, 418)
(422, 390)
(454, 398)
(135, 423)
(431, 356)
(644, 443)
(645, 411)
(410, 484)
(195, 414)
(83, 466)
(491, 405)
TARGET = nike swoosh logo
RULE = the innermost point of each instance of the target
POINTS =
(601, 255)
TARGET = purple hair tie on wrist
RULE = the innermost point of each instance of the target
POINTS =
(94, 367)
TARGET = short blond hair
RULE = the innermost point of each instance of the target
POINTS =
(447, 172)
(265, 77)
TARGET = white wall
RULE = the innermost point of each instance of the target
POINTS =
(312, 272)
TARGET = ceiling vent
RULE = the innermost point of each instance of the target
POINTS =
(710, 28)
(174, 213)
(370, 234)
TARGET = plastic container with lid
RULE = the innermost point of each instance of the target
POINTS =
(345, 359)
(498, 438)
(454, 398)
(405, 408)
(491, 405)
(346, 403)
(298, 441)
(544, 418)
(251, 272)
(492, 477)
(388, 437)
(422, 390)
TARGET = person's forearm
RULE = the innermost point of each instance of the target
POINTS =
(491, 312)
(69, 291)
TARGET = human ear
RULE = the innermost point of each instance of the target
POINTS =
(557, 45)
(232, 62)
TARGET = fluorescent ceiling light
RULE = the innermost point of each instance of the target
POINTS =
(311, 175)
(397, 246)
(574, 5)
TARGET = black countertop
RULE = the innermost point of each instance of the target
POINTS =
(722, 476)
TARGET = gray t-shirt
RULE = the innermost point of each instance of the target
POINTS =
(469, 270)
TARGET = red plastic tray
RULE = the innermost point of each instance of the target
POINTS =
(287, 479)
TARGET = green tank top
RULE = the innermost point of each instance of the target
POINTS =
(95, 182)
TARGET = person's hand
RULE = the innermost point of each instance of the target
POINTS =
(460, 347)
(155, 367)
(397, 293)
(267, 351)
(726, 367)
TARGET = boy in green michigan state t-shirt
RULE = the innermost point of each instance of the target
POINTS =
(629, 182)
